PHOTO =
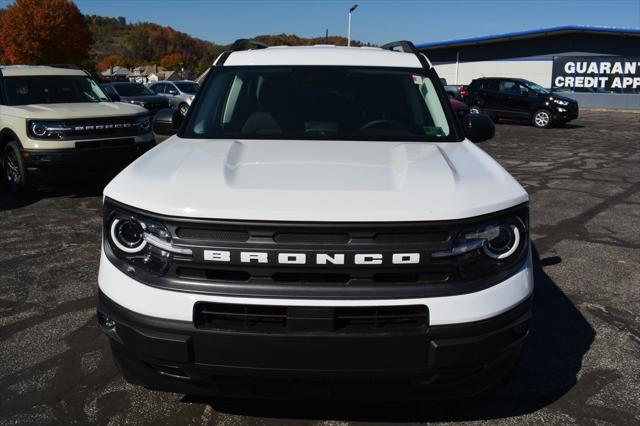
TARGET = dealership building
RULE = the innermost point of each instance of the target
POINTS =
(598, 66)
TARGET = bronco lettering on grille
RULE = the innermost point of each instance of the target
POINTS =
(315, 259)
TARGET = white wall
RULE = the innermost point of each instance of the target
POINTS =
(538, 71)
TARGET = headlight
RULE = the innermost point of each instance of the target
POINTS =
(48, 129)
(143, 123)
(490, 248)
(137, 244)
(128, 234)
(560, 102)
(498, 241)
(137, 103)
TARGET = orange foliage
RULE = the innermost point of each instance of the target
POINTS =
(44, 32)
(115, 60)
(172, 61)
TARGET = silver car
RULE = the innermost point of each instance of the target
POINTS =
(180, 93)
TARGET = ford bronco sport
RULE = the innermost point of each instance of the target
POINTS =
(54, 120)
(319, 227)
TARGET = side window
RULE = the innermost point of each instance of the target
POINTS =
(510, 87)
(170, 88)
(491, 85)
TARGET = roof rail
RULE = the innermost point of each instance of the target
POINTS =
(242, 43)
(405, 45)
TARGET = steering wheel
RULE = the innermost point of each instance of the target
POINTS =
(383, 123)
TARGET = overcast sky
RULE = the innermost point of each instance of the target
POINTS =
(375, 21)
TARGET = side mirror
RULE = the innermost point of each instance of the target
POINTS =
(115, 97)
(167, 122)
(478, 127)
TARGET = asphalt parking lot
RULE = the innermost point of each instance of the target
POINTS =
(581, 363)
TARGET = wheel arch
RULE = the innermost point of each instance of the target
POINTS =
(7, 135)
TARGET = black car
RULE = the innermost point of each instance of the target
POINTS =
(135, 93)
(517, 98)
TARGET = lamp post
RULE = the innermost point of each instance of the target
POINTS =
(354, 7)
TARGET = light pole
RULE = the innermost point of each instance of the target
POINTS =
(354, 7)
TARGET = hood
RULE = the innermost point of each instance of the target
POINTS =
(155, 99)
(74, 110)
(341, 181)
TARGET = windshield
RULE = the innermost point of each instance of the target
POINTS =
(132, 89)
(51, 90)
(307, 102)
(191, 88)
(537, 88)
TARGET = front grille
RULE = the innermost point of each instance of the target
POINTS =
(311, 239)
(320, 260)
(302, 237)
(299, 238)
(212, 234)
(288, 319)
(93, 128)
(102, 143)
(301, 276)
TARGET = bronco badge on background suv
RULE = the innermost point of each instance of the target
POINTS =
(320, 226)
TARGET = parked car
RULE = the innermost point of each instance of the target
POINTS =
(460, 108)
(137, 94)
(517, 98)
(58, 121)
(179, 93)
(328, 225)
(453, 90)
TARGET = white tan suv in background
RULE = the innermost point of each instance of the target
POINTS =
(57, 121)
(320, 226)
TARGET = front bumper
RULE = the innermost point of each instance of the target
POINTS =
(566, 113)
(92, 154)
(440, 361)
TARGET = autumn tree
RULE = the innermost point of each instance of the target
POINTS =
(44, 31)
(173, 61)
(109, 61)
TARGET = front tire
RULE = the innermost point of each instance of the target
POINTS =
(14, 169)
(542, 119)
(475, 109)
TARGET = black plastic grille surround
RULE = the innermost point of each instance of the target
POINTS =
(431, 277)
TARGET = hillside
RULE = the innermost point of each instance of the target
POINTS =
(116, 42)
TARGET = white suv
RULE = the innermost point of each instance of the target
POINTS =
(57, 120)
(319, 218)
